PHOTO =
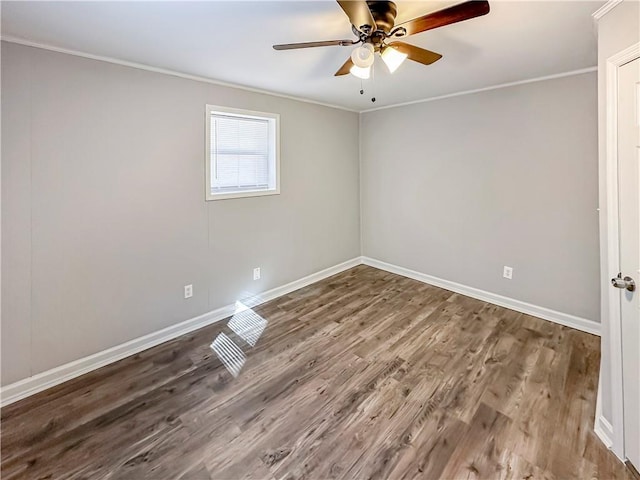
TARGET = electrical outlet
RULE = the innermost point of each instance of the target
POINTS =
(256, 273)
(188, 291)
(508, 272)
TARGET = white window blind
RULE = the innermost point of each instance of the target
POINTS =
(242, 154)
(239, 153)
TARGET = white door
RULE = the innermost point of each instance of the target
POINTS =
(629, 208)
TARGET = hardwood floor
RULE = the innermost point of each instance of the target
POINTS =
(363, 375)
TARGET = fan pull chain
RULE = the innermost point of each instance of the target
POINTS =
(373, 82)
(361, 88)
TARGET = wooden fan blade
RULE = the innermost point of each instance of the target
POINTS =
(446, 16)
(359, 14)
(327, 43)
(344, 69)
(417, 54)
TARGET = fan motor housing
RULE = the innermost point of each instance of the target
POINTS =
(384, 13)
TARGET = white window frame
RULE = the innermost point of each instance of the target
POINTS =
(274, 119)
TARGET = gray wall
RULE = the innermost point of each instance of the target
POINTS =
(617, 30)
(104, 219)
(103, 212)
(459, 187)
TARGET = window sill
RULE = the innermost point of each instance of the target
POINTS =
(245, 194)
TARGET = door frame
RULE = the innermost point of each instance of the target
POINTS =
(612, 259)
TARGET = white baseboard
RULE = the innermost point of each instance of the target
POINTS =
(604, 431)
(602, 428)
(37, 383)
(565, 319)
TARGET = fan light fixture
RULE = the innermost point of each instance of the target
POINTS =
(363, 56)
(360, 72)
(393, 58)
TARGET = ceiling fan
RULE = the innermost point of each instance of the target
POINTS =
(373, 22)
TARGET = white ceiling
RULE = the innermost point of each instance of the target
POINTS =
(231, 41)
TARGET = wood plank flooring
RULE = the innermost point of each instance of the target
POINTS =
(363, 375)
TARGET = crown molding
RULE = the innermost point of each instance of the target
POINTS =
(174, 73)
(606, 8)
(140, 66)
(485, 89)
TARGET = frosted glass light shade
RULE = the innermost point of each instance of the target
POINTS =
(363, 56)
(393, 58)
(360, 72)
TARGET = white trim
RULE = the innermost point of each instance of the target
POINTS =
(604, 431)
(37, 383)
(212, 197)
(611, 253)
(308, 280)
(606, 8)
(484, 89)
(141, 66)
(28, 43)
(601, 426)
(582, 324)
(360, 194)
(41, 381)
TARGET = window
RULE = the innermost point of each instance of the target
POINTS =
(242, 153)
